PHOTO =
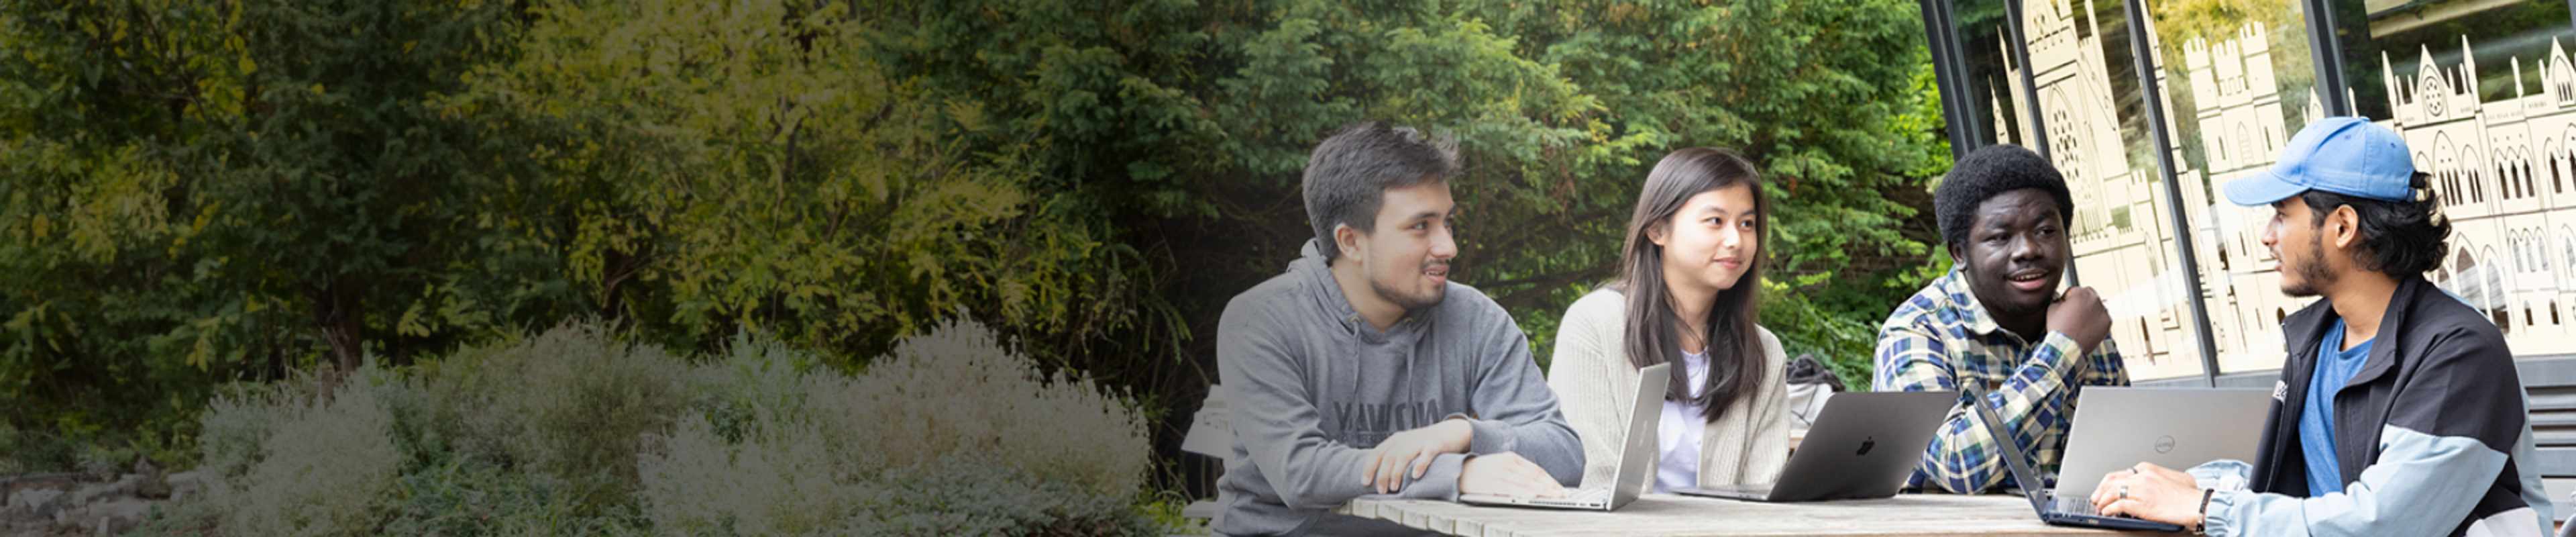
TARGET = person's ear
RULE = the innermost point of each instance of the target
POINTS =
(1656, 232)
(2343, 227)
(1351, 241)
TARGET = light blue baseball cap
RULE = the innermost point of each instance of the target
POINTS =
(2344, 155)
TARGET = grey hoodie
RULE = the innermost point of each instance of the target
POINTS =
(1314, 386)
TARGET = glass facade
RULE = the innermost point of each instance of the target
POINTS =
(1993, 88)
(2482, 92)
(2245, 81)
(2094, 120)
(2482, 89)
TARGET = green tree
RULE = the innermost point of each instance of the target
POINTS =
(745, 166)
(202, 193)
(1833, 99)
(1187, 124)
(199, 191)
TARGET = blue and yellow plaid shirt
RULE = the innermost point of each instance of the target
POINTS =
(1940, 338)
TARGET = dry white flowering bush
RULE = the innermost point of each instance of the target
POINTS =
(322, 466)
(948, 434)
(956, 390)
(575, 432)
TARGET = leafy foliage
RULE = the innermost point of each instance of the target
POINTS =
(203, 192)
(746, 166)
(1188, 125)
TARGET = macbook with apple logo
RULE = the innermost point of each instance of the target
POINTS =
(1863, 446)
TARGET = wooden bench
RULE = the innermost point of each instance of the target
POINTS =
(2551, 384)
(1211, 436)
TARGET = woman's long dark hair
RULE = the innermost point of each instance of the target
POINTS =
(1654, 331)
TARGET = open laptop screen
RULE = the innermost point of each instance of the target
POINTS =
(2022, 473)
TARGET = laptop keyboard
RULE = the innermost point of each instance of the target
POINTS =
(2074, 505)
(1587, 496)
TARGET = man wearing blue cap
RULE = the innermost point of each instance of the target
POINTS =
(2398, 411)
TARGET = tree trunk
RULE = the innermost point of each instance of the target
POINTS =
(615, 267)
(335, 310)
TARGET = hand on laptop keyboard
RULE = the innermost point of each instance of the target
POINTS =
(1507, 474)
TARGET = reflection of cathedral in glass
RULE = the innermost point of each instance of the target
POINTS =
(2242, 128)
(2121, 233)
(2506, 169)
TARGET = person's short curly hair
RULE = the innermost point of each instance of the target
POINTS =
(1987, 172)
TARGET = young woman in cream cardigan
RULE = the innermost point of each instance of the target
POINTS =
(1688, 273)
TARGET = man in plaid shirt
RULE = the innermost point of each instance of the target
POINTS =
(1997, 322)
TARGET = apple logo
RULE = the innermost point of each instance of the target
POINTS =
(1865, 444)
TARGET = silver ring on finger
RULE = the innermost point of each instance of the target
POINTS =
(2124, 492)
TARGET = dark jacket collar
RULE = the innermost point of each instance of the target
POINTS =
(2301, 332)
(2311, 323)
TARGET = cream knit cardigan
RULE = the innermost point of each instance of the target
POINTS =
(1748, 444)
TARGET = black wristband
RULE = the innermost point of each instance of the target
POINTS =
(2205, 494)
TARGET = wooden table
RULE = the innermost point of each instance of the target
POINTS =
(1661, 514)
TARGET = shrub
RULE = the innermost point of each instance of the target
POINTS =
(571, 404)
(575, 432)
(496, 446)
(959, 391)
(969, 494)
(950, 434)
(320, 466)
(195, 518)
(39, 450)
(460, 498)
(9, 442)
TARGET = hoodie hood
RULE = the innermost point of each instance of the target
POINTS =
(1334, 308)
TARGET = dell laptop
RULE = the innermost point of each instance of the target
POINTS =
(2117, 428)
(2076, 512)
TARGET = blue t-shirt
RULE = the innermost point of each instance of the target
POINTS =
(2316, 420)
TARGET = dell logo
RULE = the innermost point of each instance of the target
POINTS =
(1865, 444)
(2164, 444)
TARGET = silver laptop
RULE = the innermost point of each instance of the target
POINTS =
(2117, 428)
(2074, 513)
(1864, 446)
(1636, 462)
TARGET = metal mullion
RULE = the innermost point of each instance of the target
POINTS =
(2326, 51)
(2038, 135)
(1947, 71)
(2144, 57)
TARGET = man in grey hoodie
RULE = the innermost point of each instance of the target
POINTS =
(1364, 370)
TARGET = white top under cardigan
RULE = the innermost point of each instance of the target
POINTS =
(1589, 371)
(1677, 439)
